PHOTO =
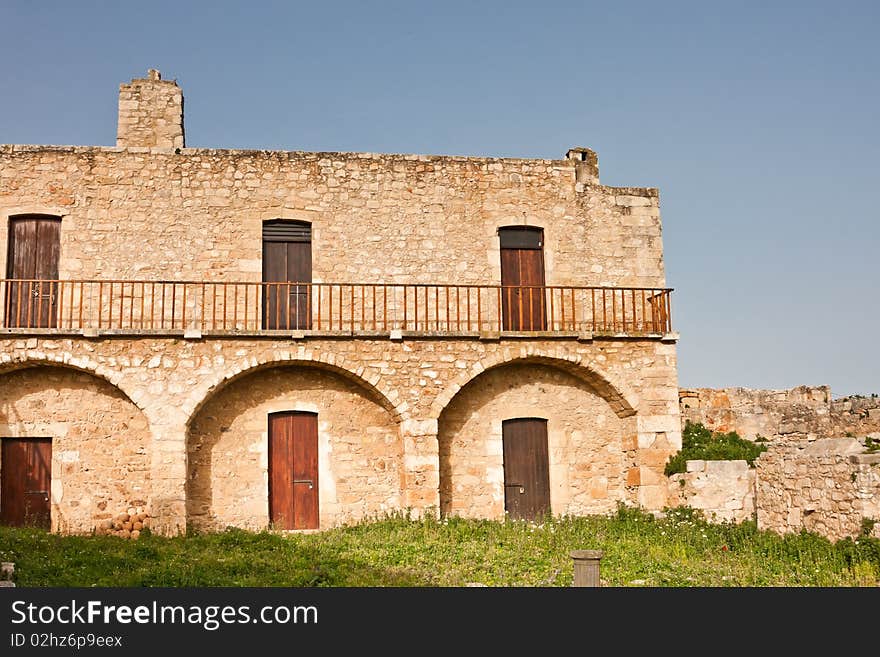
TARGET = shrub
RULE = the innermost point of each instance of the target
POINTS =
(698, 442)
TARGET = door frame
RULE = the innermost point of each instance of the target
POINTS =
(518, 239)
(12, 316)
(315, 478)
(545, 474)
(286, 231)
(4, 473)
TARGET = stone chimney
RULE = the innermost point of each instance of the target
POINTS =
(150, 113)
(586, 168)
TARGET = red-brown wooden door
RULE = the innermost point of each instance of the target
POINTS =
(25, 481)
(523, 304)
(287, 260)
(32, 267)
(526, 468)
(293, 470)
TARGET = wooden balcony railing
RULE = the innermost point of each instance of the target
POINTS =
(240, 307)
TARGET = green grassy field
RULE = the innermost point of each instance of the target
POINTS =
(679, 550)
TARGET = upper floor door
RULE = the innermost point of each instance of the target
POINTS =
(523, 303)
(32, 270)
(287, 264)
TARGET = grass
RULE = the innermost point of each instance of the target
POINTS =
(680, 550)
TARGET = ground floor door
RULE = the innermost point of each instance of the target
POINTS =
(526, 468)
(25, 480)
(293, 470)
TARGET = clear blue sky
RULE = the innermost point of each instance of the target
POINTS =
(758, 122)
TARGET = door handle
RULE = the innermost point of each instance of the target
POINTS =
(304, 481)
(522, 489)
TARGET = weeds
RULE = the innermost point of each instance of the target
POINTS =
(679, 548)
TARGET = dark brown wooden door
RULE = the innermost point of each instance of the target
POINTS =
(523, 304)
(25, 481)
(526, 468)
(293, 470)
(287, 260)
(32, 266)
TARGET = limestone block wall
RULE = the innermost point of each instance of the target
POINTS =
(723, 490)
(130, 213)
(588, 458)
(796, 415)
(828, 488)
(857, 415)
(101, 442)
(187, 391)
(150, 113)
(360, 460)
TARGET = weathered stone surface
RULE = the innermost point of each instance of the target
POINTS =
(723, 490)
(792, 416)
(831, 497)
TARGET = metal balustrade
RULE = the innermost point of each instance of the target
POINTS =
(256, 308)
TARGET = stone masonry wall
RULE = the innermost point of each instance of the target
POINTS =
(723, 490)
(828, 488)
(150, 113)
(792, 416)
(100, 442)
(156, 215)
(171, 380)
(360, 456)
(588, 459)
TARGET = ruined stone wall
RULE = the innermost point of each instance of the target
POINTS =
(827, 487)
(174, 380)
(100, 442)
(793, 416)
(856, 415)
(360, 455)
(723, 490)
(588, 458)
(197, 215)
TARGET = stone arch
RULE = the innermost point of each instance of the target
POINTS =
(101, 440)
(367, 378)
(622, 401)
(360, 448)
(17, 361)
(589, 425)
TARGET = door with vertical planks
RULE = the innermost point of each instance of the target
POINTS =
(526, 468)
(523, 303)
(287, 263)
(25, 481)
(293, 470)
(32, 270)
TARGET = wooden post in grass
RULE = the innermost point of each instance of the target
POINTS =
(586, 567)
(7, 568)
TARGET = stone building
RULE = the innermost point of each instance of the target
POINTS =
(211, 338)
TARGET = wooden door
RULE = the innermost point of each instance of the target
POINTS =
(526, 468)
(287, 261)
(293, 470)
(25, 481)
(32, 267)
(523, 305)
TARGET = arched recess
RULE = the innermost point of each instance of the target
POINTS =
(620, 400)
(360, 451)
(589, 454)
(371, 384)
(99, 441)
